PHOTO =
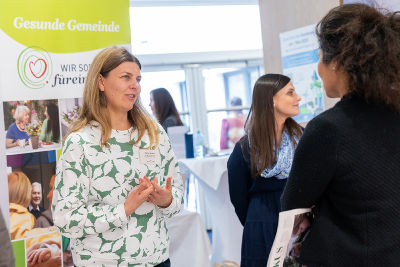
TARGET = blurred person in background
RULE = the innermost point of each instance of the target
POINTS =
(232, 128)
(163, 107)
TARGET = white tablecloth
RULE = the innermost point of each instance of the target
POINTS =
(28, 149)
(226, 227)
(209, 170)
(189, 243)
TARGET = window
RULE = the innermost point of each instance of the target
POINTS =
(213, 59)
(190, 29)
(221, 85)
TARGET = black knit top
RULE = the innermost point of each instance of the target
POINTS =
(347, 163)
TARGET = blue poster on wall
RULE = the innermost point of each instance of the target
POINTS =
(299, 50)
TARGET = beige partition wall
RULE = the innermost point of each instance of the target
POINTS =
(283, 15)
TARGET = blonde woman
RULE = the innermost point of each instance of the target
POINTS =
(117, 178)
(19, 193)
(16, 132)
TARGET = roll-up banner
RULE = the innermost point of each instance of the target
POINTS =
(46, 48)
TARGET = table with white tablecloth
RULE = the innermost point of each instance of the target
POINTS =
(28, 149)
(211, 172)
(189, 243)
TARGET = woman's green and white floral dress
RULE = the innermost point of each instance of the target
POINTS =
(91, 186)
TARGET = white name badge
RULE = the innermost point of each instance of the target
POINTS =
(148, 156)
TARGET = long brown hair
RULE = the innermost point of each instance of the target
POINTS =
(366, 43)
(260, 123)
(165, 105)
(53, 125)
(94, 105)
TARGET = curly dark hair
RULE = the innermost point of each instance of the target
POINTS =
(365, 41)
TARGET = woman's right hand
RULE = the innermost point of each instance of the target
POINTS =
(138, 196)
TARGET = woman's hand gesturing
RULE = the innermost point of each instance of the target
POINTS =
(161, 197)
(138, 195)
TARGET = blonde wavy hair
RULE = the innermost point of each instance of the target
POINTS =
(19, 189)
(94, 107)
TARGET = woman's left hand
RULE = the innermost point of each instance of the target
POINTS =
(161, 197)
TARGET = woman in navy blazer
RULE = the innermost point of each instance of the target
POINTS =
(260, 163)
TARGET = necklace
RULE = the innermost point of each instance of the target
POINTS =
(21, 128)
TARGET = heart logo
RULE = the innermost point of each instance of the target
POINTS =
(34, 67)
(38, 68)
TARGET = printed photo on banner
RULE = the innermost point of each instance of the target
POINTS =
(69, 112)
(30, 189)
(31, 125)
(44, 250)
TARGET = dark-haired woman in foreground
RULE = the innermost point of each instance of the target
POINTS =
(347, 162)
(258, 171)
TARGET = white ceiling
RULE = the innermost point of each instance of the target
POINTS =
(141, 3)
